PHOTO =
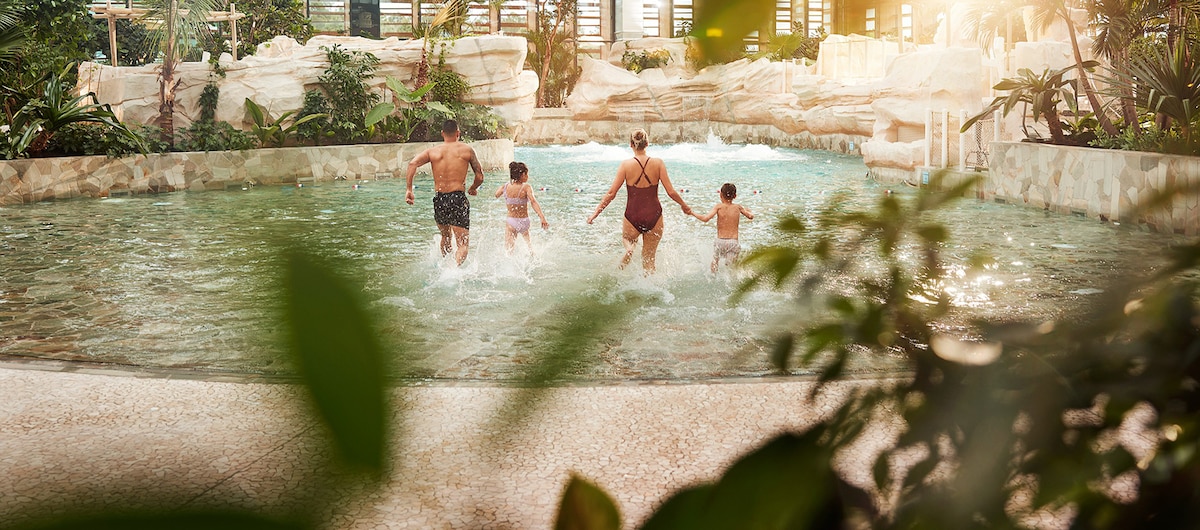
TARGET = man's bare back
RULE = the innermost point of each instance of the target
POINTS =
(449, 163)
(451, 209)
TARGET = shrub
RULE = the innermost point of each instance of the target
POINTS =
(347, 95)
(214, 136)
(644, 60)
(314, 130)
(100, 139)
(448, 86)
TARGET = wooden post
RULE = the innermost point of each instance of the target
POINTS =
(416, 16)
(666, 18)
(494, 17)
(346, 17)
(112, 40)
(112, 34)
(233, 41)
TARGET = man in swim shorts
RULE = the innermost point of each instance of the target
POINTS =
(451, 210)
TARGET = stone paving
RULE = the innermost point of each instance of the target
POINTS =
(71, 441)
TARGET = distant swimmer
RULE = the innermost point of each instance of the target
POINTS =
(518, 196)
(641, 176)
(451, 210)
(726, 248)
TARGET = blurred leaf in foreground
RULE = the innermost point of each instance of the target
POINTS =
(586, 507)
(721, 26)
(173, 521)
(339, 358)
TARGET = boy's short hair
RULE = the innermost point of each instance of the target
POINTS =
(728, 190)
(449, 127)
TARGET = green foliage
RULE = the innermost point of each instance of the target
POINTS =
(1169, 87)
(1150, 138)
(348, 97)
(586, 507)
(214, 136)
(448, 86)
(210, 96)
(314, 129)
(1042, 93)
(267, 19)
(645, 59)
(46, 36)
(133, 42)
(552, 51)
(339, 358)
(809, 45)
(99, 139)
(36, 122)
(720, 27)
(271, 131)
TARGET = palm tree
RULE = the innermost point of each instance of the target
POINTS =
(1045, 13)
(1041, 93)
(179, 27)
(1119, 24)
(549, 41)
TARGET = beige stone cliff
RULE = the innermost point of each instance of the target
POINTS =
(277, 76)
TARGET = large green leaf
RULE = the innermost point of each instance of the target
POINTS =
(586, 507)
(378, 112)
(786, 483)
(339, 358)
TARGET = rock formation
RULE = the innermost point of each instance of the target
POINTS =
(277, 76)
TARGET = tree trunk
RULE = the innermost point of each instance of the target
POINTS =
(1101, 117)
(167, 84)
(1055, 126)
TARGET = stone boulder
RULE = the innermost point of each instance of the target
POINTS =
(283, 70)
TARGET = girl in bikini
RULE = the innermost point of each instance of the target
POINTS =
(518, 195)
(643, 213)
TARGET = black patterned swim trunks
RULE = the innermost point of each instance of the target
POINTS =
(452, 209)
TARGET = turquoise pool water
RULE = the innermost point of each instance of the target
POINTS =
(184, 280)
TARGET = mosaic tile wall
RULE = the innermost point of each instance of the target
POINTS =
(32, 180)
(1100, 183)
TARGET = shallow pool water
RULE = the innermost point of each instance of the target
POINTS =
(184, 280)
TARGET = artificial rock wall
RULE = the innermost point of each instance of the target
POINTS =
(277, 76)
(780, 103)
(39, 179)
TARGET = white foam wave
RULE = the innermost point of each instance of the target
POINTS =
(712, 152)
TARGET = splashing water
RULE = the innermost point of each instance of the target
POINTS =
(187, 283)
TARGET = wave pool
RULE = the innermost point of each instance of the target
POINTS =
(184, 280)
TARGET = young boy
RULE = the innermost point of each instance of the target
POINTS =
(728, 214)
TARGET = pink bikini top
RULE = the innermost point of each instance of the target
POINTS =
(513, 200)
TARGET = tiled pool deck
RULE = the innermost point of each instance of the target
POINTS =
(73, 439)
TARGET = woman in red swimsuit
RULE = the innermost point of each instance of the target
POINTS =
(643, 213)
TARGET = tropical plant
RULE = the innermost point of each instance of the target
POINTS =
(208, 134)
(133, 42)
(267, 19)
(32, 127)
(382, 118)
(553, 47)
(347, 94)
(1045, 12)
(636, 62)
(1040, 93)
(273, 131)
(1169, 87)
(177, 27)
(561, 55)
(89, 138)
(986, 20)
(316, 129)
(1119, 24)
(448, 86)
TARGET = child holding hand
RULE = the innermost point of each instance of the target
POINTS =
(728, 214)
